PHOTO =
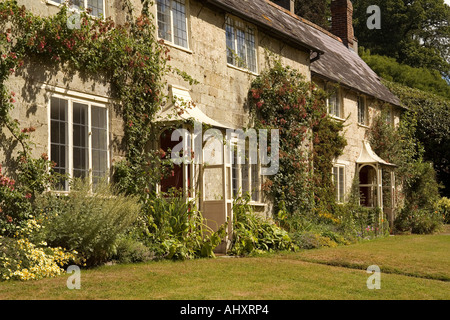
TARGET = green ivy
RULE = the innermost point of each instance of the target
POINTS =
(128, 56)
(310, 140)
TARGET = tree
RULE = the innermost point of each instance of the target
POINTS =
(420, 78)
(433, 127)
(316, 11)
(414, 32)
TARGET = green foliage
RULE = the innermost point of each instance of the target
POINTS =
(86, 221)
(415, 177)
(22, 259)
(253, 234)
(431, 116)
(316, 11)
(388, 68)
(444, 209)
(328, 145)
(129, 250)
(311, 240)
(129, 57)
(415, 33)
(280, 98)
(419, 221)
(15, 206)
(174, 229)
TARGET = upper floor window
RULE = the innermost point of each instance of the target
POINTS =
(362, 110)
(79, 139)
(241, 45)
(334, 104)
(389, 119)
(97, 7)
(172, 21)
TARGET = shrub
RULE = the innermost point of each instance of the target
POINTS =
(21, 259)
(174, 229)
(252, 233)
(419, 221)
(85, 221)
(444, 209)
(311, 240)
(129, 250)
(15, 206)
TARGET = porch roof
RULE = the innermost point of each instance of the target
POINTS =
(368, 156)
(183, 109)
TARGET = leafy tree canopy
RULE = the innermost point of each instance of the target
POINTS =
(414, 32)
(420, 78)
(316, 11)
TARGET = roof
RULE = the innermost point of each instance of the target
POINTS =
(337, 62)
(368, 156)
(183, 109)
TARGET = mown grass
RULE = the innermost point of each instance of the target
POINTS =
(283, 276)
(425, 256)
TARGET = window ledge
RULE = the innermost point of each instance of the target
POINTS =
(172, 45)
(257, 204)
(363, 125)
(242, 70)
(50, 2)
(53, 3)
(337, 118)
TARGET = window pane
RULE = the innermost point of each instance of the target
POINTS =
(179, 23)
(80, 140)
(341, 185)
(245, 179)
(241, 49)
(99, 142)
(251, 50)
(77, 4)
(255, 182)
(58, 136)
(231, 49)
(164, 28)
(97, 7)
(235, 174)
(361, 110)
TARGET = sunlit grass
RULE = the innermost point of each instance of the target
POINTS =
(271, 277)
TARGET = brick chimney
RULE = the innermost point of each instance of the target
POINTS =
(287, 4)
(342, 22)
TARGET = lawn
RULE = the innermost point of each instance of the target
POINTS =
(412, 267)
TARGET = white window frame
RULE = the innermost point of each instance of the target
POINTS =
(69, 131)
(340, 198)
(247, 27)
(171, 42)
(389, 115)
(337, 92)
(77, 10)
(249, 181)
(366, 110)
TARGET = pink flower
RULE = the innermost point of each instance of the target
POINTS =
(28, 196)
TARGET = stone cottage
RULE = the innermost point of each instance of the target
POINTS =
(222, 44)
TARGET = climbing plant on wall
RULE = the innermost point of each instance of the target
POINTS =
(281, 98)
(128, 56)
